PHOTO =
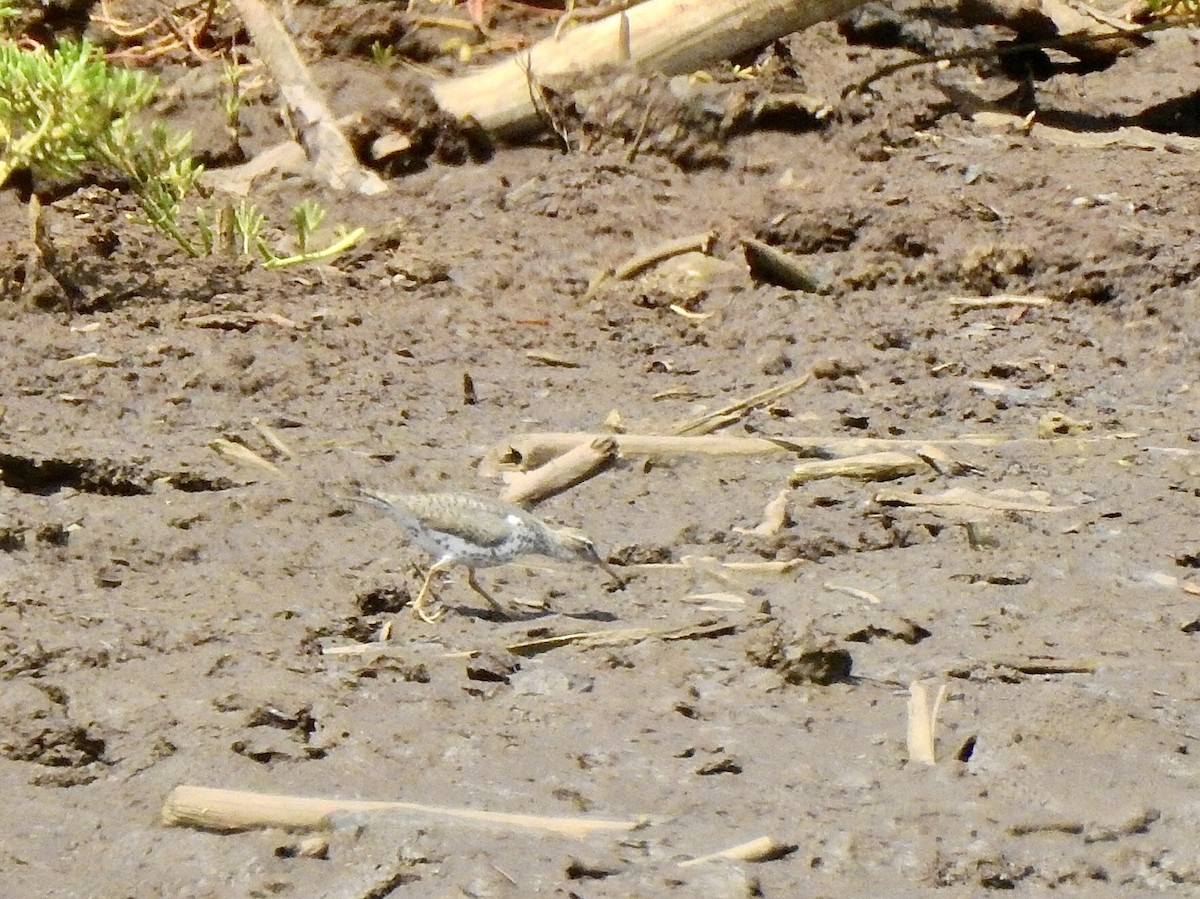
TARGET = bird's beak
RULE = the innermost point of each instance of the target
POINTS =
(589, 552)
(608, 569)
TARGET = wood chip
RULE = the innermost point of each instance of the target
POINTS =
(922, 722)
(551, 359)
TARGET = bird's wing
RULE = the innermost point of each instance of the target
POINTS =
(482, 521)
(482, 525)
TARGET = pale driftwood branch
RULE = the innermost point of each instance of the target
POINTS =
(853, 591)
(625, 636)
(693, 243)
(1130, 136)
(922, 722)
(959, 500)
(668, 36)
(572, 467)
(997, 300)
(332, 159)
(525, 451)
(233, 810)
(764, 849)
(705, 423)
(716, 568)
(868, 467)
(243, 454)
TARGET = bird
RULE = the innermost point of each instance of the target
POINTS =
(477, 532)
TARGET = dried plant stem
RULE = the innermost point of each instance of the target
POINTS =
(328, 150)
(670, 36)
(233, 810)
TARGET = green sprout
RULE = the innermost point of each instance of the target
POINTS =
(343, 238)
(307, 217)
(381, 54)
(1175, 8)
(231, 100)
(247, 224)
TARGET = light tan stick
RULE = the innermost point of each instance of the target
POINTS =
(999, 300)
(853, 591)
(922, 721)
(234, 810)
(239, 453)
(704, 424)
(525, 451)
(709, 565)
(625, 636)
(586, 460)
(1125, 136)
(867, 467)
(670, 36)
(693, 243)
(532, 450)
(268, 434)
(961, 500)
(329, 152)
(764, 849)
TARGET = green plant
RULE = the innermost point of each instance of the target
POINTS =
(9, 11)
(307, 216)
(1188, 9)
(238, 229)
(381, 54)
(231, 100)
(63, 108)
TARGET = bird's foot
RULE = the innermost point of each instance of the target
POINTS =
(428, 617)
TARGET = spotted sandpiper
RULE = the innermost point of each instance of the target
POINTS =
(478, 532)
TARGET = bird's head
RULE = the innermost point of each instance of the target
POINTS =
(578, 545)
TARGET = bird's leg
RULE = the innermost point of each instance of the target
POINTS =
(419, 604)
(496, 607)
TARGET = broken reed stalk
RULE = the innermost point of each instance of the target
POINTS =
(676, 246)
(923, 713)
(710, 420)
(867, 467)
(525, 451)
(764, 849)
(668, 36)
(527, 489)
(235, 810)
(333, 161)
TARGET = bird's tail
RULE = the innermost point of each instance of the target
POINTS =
(369, 498)
(385, 503)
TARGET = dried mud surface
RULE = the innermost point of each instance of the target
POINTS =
(166, 607)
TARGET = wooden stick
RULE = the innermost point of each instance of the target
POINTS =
(532, 450)
(586, 460)
(922, 721)
(997, 300)
(867, 467)
(233, 810)
(525, 451)
(669, 36)
(693, 243)
(764, 849)
(333, 161)
(704, 424)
